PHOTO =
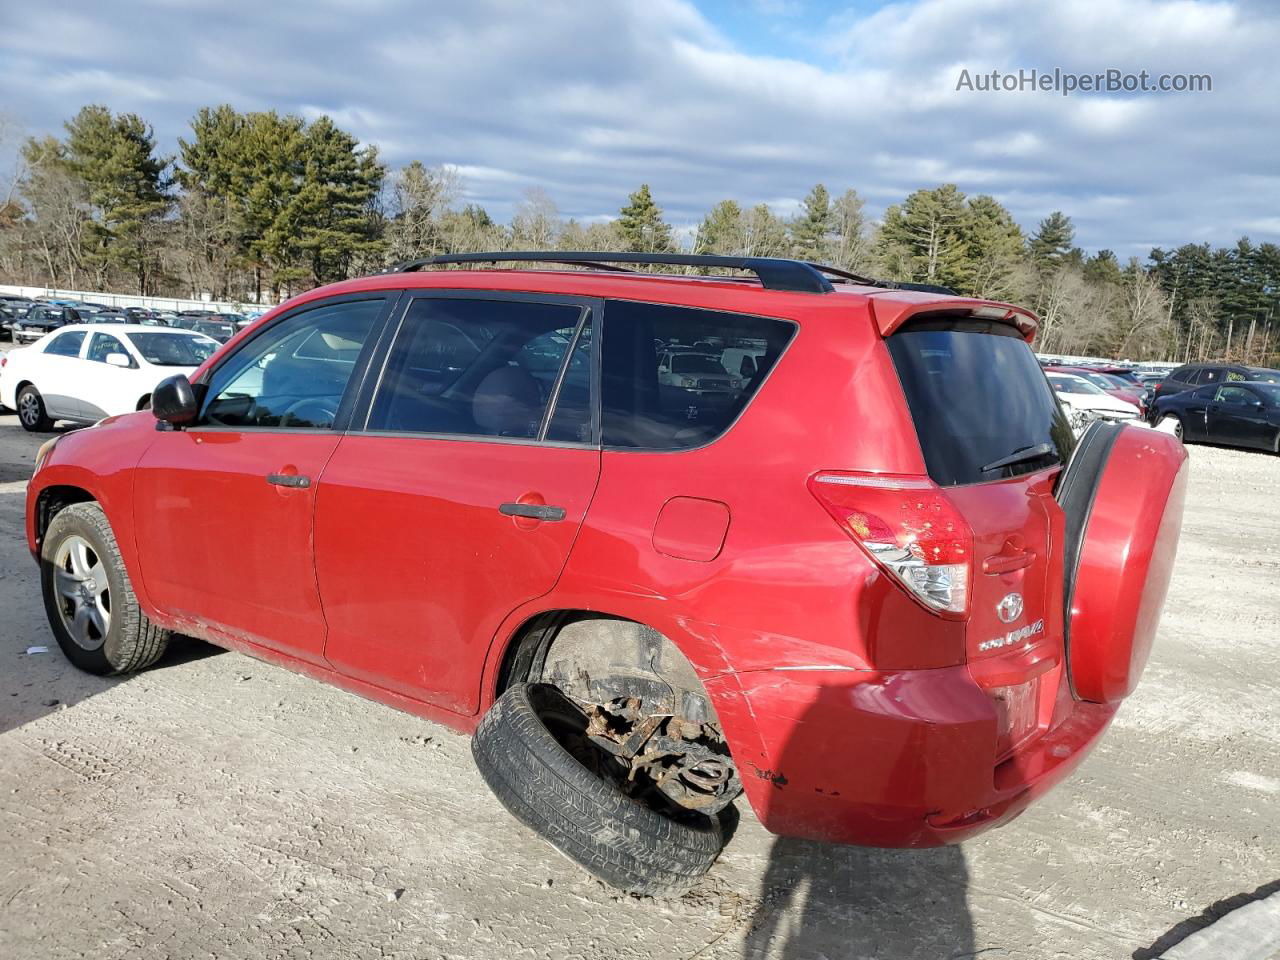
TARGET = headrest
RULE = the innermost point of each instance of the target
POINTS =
(507, 403)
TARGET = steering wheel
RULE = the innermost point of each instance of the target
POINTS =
(320, 410)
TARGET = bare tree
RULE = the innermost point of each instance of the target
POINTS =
(536, 224)
(1145, 309)
(419, 199)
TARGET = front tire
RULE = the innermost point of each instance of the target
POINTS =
(91, 606)
(31, 412)
(581, 813)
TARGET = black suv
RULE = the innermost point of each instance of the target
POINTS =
(1199, 374)
(41, 319)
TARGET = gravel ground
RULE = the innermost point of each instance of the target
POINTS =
(218, 807)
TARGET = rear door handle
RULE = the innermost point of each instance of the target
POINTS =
(288, 480)
(534, 511)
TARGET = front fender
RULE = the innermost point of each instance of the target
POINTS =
(99, 462)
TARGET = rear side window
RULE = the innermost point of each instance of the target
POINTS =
(672, 377)
(66, 344)
(981, 405)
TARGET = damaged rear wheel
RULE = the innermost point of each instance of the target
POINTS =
(537, 751)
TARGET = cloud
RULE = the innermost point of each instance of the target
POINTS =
(587, 100)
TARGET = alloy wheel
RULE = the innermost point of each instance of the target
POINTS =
(29, 408)
(83, 593)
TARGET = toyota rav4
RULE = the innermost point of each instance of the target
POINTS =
(875, 585)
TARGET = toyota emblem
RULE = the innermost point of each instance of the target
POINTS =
(1010, 608)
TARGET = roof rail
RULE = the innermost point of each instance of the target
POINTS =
(775, 273)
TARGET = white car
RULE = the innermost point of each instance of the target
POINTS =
(1086, 402)
(83, 373)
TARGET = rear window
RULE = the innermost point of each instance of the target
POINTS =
(981, 405)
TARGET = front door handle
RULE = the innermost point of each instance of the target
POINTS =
(288, 480)
(533, 511)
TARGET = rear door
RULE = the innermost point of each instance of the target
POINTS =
(58, 374)
(458, 496)
(993, 437)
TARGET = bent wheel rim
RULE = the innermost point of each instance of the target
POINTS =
(83, 595)
(28, 408)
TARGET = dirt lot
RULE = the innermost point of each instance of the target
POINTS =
(218, 807)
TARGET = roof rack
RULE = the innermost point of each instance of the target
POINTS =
(775, 273)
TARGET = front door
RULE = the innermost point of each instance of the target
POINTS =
(461, 497)
(105, 388)
(1237, 416)
(224, 508)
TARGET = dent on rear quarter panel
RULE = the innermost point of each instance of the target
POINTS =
(101, 460)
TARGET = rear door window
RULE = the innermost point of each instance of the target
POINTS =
(981, 405)
(671, 377)
(485, 368)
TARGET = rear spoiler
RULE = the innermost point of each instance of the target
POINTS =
(893, 308)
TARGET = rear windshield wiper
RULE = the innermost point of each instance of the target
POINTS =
(1021, 455)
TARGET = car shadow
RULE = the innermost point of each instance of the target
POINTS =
(48, 682)
(818, 901)
(1210, 914)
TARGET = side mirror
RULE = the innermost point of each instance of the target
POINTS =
(119, 360)
(174, 401)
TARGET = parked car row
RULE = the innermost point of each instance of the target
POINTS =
(1212, 402)
(25, 320)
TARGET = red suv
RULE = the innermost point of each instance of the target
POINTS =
(873, 582)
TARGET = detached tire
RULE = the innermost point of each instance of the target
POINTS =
(91, 607)
(587, 818)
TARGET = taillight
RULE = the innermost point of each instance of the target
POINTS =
(909, 527)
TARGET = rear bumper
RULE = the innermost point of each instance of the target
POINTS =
(904, 759)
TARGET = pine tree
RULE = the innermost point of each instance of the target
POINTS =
(1051, 244)
(721, 230)
(114, 156)
(809, 230)
(923, 240)
(994, 249)
(332, 211)
(640, 224)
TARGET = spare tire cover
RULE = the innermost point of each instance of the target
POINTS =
(1122, 536)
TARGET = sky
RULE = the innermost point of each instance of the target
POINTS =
(751, 100)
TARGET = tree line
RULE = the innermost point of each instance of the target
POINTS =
(260, 205)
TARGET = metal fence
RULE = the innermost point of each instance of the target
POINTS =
(130, 300)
